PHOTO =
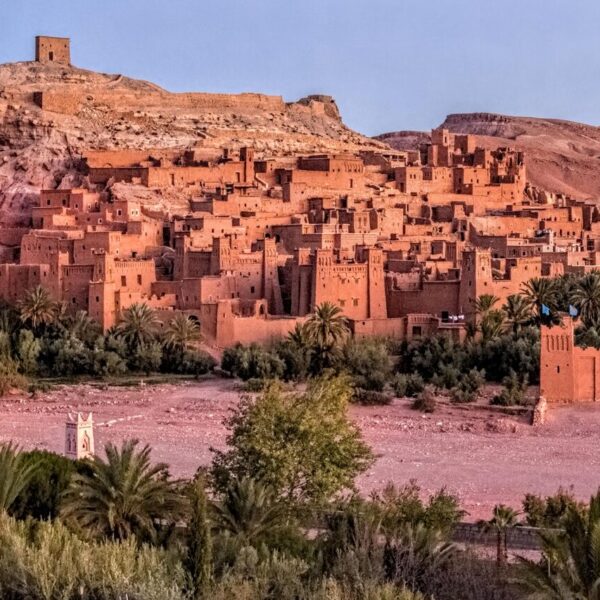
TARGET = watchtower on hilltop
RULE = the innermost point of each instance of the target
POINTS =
(53, 49)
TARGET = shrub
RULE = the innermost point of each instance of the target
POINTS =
(28, 351)
(513, 392)
(50, 477)
(407, 385)
(252, 362)
(44, 561)
(425, 401)
(467, 386)
(10, 377)
(552, 510)
(368, 362)
(371, 397)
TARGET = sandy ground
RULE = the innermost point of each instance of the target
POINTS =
(484, 457)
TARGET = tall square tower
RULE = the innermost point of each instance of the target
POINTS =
(53, 49)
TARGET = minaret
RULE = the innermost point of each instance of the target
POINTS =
(79, 437)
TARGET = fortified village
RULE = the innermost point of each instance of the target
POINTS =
(403, 242)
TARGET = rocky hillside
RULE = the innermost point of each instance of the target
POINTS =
(41, 148)
(561, 156)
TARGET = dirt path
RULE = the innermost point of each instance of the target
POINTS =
(484, 457)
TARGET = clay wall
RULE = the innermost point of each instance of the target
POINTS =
(53, 49)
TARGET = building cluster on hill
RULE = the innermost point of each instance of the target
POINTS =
(403, 242)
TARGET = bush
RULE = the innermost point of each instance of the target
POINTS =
(467, 386)
(41, 496)
(550, 511)
(371, 397)
(10, 377)
(425, 401)
(252, 362)
(44, 561)
(407, 385)
(186, 361)
(514, 391)
(368, 362)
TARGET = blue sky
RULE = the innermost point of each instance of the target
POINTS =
(390, 64)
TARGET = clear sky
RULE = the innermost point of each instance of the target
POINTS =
(390, 64)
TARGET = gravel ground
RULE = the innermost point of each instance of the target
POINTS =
(484, 457)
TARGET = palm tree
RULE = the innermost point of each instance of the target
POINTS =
(518, 311)
(540, 291)
(83, 327)
(138, 326)
(182, 331)
(123, 495)
(570, 565)
(15, 474)
(484, 304)
(416, 553)
(299, 336)
(326, 329)
(504, 517)
(249, 511)
(585, 296)
(37, 308)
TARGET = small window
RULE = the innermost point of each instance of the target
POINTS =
(252, 289)
(139, 279)
(558, 369)
(123, 281)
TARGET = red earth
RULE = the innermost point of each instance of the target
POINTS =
(484, 457)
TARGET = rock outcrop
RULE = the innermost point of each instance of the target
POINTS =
(51, 113)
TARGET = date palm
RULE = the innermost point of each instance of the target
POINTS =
(570, 565)
(504, 517)
(122, 496)
(540, 291)
(518, 312)
(327, 326)
(138, 326)
(585, 295)
(249, 511)
(37, 308)
(182, 331)
(83, 327)
(15, 474)
(484, 304)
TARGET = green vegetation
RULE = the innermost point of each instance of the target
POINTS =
(38, 339)
(276, 516)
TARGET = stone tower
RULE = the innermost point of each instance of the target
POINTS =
(53, 49)
(79, 436)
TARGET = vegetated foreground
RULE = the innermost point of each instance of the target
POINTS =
(485, 457)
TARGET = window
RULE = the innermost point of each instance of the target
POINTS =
(558, 369)
(97, 298)
(355, 302)
(139, 279)
(252, 289)
(123, 281)
(416, 331)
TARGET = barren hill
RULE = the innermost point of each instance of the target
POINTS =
(41, 147)
(561, 156)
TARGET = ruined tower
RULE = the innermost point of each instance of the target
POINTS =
(79, 436)
(53, 49)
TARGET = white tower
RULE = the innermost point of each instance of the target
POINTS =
(79, 437)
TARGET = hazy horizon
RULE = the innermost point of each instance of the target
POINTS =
(390, 65)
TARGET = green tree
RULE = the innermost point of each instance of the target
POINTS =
(181, 332)
(585, 296)
(327, 328)
(570, 565)
(518, 312)
(123, 495)
(138, 326)
(540, 291)
(199, 554)
(250, 512)
(301, 445)
(28, 351)
(15, 474)
(504, 517)
(37, 309)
